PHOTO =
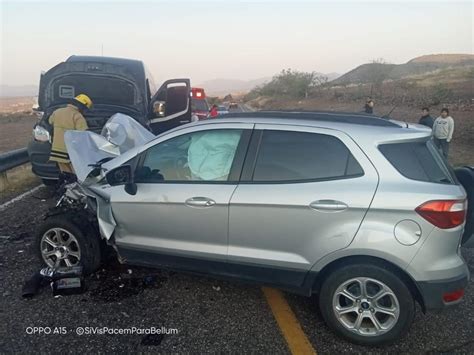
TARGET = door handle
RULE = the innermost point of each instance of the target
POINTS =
(328, 206)
(200, 202)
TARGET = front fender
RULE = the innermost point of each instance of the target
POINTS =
(105, 217)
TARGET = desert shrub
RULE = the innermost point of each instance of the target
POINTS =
(289, 83)
(440, 93)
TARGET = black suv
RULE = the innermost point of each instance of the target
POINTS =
(114, 85)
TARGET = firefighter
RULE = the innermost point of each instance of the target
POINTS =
(64, 119)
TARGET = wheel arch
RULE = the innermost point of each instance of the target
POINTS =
(81, 229)
(371, 260)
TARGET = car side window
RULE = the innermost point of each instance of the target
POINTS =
(289, 156)
(203, 156)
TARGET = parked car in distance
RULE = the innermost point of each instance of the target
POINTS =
(199, 105)
(115, 85)
(360, 210)
(233, 105)
(222, 110)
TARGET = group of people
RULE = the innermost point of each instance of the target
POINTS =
(442, 127)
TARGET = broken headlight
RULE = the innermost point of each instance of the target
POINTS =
(41, 134)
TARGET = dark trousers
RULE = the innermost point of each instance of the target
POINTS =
(443, 146)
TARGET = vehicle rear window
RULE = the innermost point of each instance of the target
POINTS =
(102, 90)
(286, 156)
(418, 161)
(199, 105)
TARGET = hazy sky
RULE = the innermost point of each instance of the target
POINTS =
(228, 39)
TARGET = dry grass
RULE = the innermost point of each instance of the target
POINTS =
(17, 180)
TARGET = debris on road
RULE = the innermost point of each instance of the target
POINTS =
(116, 282)
(63, 281)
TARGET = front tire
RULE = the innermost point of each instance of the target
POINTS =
(61, 242)
(366, 304)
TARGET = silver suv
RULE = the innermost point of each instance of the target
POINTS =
(360, 210)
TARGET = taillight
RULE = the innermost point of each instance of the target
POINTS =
(453, 296)
(444, 214)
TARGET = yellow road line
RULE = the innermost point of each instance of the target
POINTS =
(289, 325)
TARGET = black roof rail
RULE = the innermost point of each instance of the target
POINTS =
(328, 116)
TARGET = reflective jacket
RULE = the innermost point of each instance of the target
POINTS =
(62, 120)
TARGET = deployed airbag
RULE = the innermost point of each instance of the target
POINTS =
(210, 154)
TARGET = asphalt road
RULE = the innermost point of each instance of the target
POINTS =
(209, 315)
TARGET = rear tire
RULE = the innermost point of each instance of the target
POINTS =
(61, 238)
(366, 318)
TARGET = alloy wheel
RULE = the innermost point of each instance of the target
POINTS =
(60, 247)
(366, 306)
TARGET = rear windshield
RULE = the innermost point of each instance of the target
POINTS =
(419, 161)
(102, 90)
(199, 105)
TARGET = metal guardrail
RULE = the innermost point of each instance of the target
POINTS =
(12, 159)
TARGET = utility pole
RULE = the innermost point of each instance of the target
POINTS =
(102, 49)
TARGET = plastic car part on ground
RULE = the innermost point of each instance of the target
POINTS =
(64, 280)
(120, 134)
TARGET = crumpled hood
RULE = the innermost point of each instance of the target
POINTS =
(120, 134)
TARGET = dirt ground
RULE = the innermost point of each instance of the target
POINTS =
(16, 122)
(461, 149)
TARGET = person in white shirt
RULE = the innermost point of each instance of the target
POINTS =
(443, 128)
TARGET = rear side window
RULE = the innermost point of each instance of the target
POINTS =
(418, 161)
(286, 156)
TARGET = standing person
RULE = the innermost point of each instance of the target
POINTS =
(426, 119)
(369, 106)
(64, 119)
(443, 129)
(213, 111)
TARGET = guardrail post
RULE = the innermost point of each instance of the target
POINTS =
(3, 181)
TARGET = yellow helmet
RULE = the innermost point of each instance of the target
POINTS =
(84, 99)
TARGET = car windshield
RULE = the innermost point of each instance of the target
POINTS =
(199, 105)
(221, 108)
(102, 90)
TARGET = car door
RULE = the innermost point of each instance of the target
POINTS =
(170, 106)
(179, 214)
(304, 192)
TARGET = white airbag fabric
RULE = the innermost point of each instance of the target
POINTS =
(210, 154)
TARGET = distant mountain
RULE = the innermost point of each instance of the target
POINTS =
(443, 58)
(417, 66)
(222, 87)
(18, 90)
(332, 76)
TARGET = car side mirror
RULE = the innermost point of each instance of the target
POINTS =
(159, 108)
(122, 175)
